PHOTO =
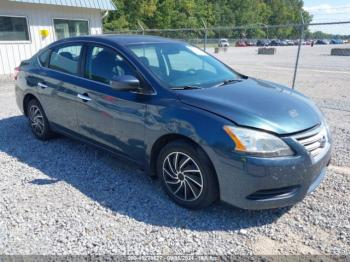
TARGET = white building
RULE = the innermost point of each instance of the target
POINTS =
(29, 25)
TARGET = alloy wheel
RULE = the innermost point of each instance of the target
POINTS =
(182, 176)
(37, 120)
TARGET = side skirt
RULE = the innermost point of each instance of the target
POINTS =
(71, 134)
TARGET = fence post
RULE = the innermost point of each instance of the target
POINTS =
(205, 34)
(299, 46)
(267, 31)
(140, 25)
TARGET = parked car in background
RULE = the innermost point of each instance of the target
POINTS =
(275, 42)
(263, 42)
(250, 43)
(223, 42)
(321, 42)
(240, 43)
(208, 132)
(289, 42)
(303, 42)
(283, 42)
(336, 41)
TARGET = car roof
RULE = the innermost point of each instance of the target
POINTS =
(120, 39)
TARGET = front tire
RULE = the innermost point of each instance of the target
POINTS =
(38, 120)
(186, 175)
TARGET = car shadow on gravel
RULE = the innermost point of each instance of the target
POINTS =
(116, 184)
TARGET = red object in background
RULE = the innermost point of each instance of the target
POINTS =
(17, 70)
(241, 43)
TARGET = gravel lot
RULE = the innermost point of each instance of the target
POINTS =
(63, 197)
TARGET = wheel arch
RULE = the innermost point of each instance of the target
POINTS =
(28, 97)
(168, 138)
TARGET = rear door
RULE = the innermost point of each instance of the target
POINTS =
(114, 118)
(57, 83)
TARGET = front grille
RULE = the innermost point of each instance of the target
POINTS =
(314, 141)
(273, 194)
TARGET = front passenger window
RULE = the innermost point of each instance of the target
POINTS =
(104, 64)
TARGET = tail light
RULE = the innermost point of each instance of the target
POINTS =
(17, 70)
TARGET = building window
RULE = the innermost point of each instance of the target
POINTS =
(13, 29)
(67, 28)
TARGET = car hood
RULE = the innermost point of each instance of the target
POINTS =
(258, 104)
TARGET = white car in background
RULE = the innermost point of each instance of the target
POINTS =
(223, 42)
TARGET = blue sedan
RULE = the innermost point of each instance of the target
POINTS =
(208, 132)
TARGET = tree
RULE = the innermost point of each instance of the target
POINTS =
(190, 13)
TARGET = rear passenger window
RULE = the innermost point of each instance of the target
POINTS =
(66, 59)
(44, 58)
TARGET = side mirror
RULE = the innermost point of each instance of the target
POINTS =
(125, 83)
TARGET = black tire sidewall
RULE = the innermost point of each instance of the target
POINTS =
(210, 187)
(47, 132)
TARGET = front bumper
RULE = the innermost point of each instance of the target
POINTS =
(262, 183)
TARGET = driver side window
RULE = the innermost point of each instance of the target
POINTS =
(103, 64)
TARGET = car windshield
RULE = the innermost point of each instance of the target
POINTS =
(182, 65)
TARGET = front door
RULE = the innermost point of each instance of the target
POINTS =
(114, 118)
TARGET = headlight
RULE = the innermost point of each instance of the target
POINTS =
(257, 143)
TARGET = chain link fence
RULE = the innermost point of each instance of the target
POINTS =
(301, 55)
(272, 52)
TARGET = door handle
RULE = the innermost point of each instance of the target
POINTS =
(84, 97)
(42, 85)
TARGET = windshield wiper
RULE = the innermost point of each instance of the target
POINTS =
(228, 81)
(188, 87)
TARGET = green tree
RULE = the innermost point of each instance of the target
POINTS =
(227, 13)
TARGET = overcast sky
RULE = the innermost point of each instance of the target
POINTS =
(329, 11)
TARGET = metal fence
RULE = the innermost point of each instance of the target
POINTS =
(293, 62)
(288, 40)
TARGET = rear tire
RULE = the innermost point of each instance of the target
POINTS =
(38, 120)
(187, 176)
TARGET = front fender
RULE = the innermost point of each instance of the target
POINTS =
(202, 127)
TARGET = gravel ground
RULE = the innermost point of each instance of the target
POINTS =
(63, 197)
